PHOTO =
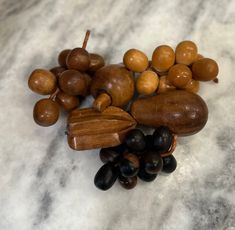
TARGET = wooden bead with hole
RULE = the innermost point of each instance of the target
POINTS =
(135, 60)
(147, 82)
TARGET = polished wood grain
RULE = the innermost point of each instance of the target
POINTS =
(183, 112)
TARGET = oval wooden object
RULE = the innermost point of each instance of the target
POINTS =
(116, 81)
(183, 112)
(90, 129)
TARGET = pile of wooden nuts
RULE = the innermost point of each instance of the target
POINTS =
(160, 93)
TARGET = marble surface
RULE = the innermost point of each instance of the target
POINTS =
(46, 185)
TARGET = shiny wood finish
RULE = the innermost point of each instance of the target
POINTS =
(96, 62)
(116, 81)
(89, 129)
(67, 102)
(183, 112)
(205, 69)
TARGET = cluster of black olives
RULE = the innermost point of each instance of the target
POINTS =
(139, 156)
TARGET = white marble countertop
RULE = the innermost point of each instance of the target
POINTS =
(46, 185)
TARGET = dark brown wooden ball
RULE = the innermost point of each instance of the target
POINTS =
(73, 83)
(63, 57)
(57, 71)
(67, 102)
(96, 62)
(46, 112)
(78, 59)
(42, 82)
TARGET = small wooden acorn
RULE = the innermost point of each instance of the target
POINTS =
(112, 85)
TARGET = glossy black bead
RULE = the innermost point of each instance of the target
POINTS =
(152, 162)
(127, 182)
(135, 140)
(129, 165)
(111, 154)
(162, 139)
(143, 175)
(169, 164)
(106, 176)
(149, 142)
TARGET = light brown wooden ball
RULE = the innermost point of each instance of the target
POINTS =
(179, 75)
(192, 86)
(164, 85)
(42, 82)
(186, 52)
(147, 82)
(163, 58)
(205, 69)
(135, 60)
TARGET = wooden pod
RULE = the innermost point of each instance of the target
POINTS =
(183, 112)
(90, 129)
(112, 85)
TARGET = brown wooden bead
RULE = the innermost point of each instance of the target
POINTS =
(57, 71)
(62, 57)
(42, 82)
(186, 52)
(205, 69)
(127, 182)
(199, 56)
(96, 62)
(183, 112)
(163, 58)
(192, 86)
(78, 59)
(46, 112)
(135, 60)
(147, 82)
(164, 85)
(179, 75)
(73, 83)
(88, 83)
(67, 102)
(116, 81)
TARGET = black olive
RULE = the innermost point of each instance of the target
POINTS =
(106, 176)
(152, 162)
(169, 164)
(111, 154)
(129, 165)
(143, 175)
(149, 142)
(162, 139)
(135, 140)
(127, 182)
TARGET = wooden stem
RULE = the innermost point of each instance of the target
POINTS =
(86, 39)
(52, 96)
(172, 148)
(102, 102)
(216, 80)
